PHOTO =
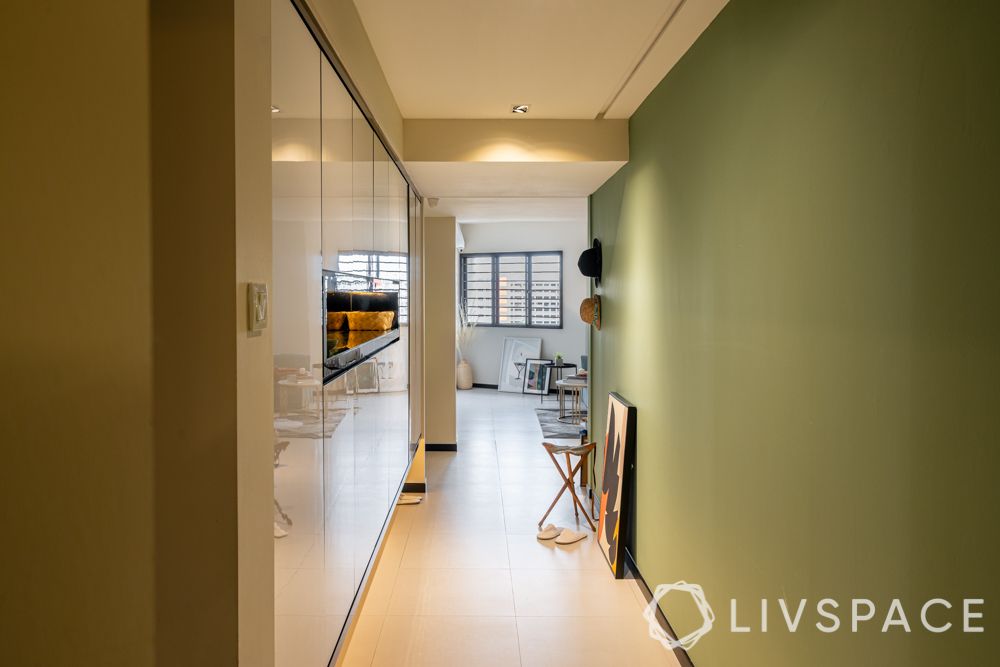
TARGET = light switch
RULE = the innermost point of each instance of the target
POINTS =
(256, 308)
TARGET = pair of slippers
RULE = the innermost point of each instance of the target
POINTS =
(409, 499)
(560, 535)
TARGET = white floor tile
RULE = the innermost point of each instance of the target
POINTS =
(452, 592)
(589, 642)
(281, 578)
(571, 592)
(317, 593)
(305, 640)
(456, 550)
(446, 641)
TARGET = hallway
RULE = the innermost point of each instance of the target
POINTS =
(532, 602)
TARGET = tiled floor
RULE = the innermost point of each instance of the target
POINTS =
(463, 580)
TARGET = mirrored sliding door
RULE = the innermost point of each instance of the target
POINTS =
(341, 212)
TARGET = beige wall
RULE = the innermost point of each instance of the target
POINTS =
(76, 493)
(439, 329)
(254, 388)
(212, 384)
(516, 140)
(134, 239)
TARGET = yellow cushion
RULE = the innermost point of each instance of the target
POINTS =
(370, 321)
(336, 320)
(355, 338)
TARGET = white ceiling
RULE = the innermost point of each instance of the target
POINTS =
(478, 210)
(566, 58)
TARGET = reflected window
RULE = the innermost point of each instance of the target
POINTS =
(385, 265)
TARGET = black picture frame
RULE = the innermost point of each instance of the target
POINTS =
(537, 372)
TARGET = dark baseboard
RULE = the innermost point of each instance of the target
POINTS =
(682, 656)
(479, 385)
(440, 447)
(414, 487)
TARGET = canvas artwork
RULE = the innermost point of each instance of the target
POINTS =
(619, 448)
(536, 376)
(513, 359)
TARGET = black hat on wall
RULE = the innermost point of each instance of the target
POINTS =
(590, 262)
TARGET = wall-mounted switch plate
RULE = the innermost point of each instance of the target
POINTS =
(256, 308)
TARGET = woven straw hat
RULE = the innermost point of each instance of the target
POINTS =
(590, 311)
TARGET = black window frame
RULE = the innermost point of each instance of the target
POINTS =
(495, 287)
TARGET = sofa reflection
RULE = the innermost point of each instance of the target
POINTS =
(359, 322)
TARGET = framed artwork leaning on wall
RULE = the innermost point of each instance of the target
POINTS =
(513, 357)
(619, 455)
(537, 373)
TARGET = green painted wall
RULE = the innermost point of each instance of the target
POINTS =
(802, 298)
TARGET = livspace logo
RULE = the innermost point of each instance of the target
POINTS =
(935, 616)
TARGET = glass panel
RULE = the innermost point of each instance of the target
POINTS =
(341, 450)
(512, 279)
(384, 228)
(395, 365)
(300, 485)
(414, 297)
(402, 219)
(363, 185)
(546, 290)
(370, 470)
(398, 220)
(478, 288)
(338, 167)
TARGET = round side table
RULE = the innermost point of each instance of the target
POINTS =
(575, 413)
(558, 368)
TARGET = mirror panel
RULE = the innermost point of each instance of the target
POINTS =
(341, 448)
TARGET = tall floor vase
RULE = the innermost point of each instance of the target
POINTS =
(463, 375)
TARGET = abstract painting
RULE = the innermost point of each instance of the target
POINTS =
(513, 357)
(619, 450)
(536, 376)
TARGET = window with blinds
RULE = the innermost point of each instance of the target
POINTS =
(513, 289)
(385, 265)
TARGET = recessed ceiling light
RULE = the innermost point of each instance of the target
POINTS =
(274, 109)
(520, 108)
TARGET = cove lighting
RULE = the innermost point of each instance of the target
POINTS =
(520, 108)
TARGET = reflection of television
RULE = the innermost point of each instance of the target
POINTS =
(346, 347)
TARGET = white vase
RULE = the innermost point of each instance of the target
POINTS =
(463, 375)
